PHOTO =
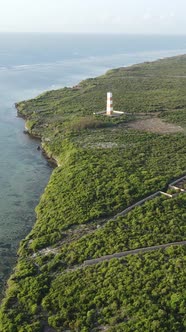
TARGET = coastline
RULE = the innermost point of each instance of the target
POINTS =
(51, 160)
(72, 211)
(53, 163)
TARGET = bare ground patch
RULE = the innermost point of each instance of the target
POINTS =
(155, 125)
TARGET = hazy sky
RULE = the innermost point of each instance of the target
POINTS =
(126, 16)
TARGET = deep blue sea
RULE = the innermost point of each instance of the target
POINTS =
(29, 65)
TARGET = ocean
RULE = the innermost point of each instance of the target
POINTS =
(29, 65)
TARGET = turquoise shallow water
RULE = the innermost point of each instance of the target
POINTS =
(24, 173)
(29, 65)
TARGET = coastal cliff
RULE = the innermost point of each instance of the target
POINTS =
(106, 164)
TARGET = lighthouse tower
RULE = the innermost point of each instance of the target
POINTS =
(109, 103)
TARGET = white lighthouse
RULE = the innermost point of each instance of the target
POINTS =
(109, 109)
(109, 103)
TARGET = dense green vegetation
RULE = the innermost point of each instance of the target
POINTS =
(156, 222)
(144, 293)
(178, 116)
(97, 183)
(104, 167)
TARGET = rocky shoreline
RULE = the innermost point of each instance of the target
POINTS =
(50, 159)
(96, 181)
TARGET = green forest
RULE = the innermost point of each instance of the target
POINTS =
(103, 166)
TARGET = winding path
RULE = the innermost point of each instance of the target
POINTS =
(119, 255)
(148, 198)
(139, 250)
(131, 252)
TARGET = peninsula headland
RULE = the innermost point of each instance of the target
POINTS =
(105, 165)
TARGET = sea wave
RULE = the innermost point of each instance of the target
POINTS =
(122, 57)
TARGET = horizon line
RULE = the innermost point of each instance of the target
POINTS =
(96, 33)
